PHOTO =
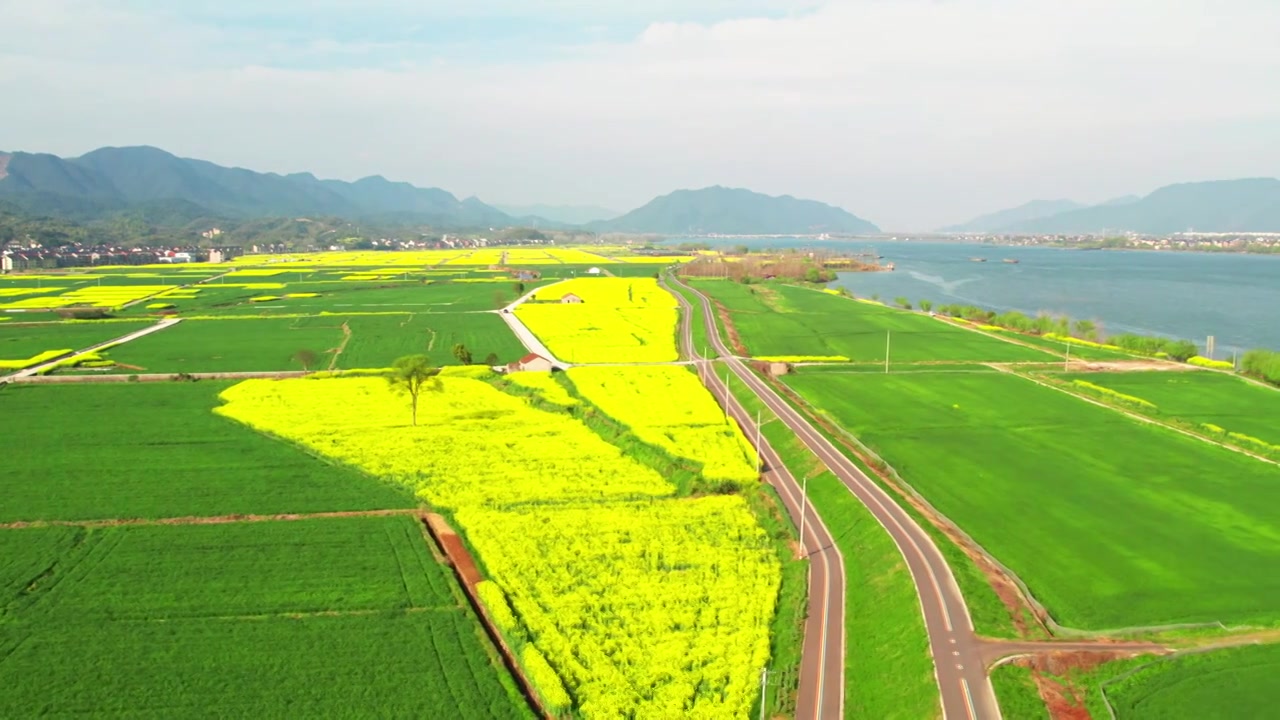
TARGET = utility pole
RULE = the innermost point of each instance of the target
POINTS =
(1067, 362)
(886, 352)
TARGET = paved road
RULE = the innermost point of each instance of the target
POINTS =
(821, 679)
(37, 369)
(526, 336)
(958, 654)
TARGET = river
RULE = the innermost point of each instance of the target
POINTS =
(1233, 297)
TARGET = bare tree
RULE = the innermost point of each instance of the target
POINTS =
(412, 375)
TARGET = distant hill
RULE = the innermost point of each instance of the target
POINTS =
(156, 183)
(1251, 204)
(734, 211)
(567, 214)
(1030, 211)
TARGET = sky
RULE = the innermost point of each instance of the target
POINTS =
(909, 113)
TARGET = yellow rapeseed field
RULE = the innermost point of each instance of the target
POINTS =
(667, 406)
(621, 599)
(618, 320)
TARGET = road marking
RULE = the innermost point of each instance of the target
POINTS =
(968, 698)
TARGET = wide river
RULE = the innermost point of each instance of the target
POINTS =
(1233, 297)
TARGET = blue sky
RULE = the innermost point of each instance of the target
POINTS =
(911, 113)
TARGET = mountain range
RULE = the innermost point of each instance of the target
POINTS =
(1245, 205)
(166, 188)
(151, 186)
(734, 211)
(568, 214)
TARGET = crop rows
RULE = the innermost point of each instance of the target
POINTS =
(618, 320)
(666, 406)
(578, 538)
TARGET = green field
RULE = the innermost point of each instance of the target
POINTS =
(94, 451)
(1220, 685)
(786, 320)
(318, 618)
(382, 296)
(1202, 398)
(19, 341)
(377, 340)
(1112, 523)
(194, 346)
(303, 566)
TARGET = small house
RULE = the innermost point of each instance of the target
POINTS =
(570, 299)
(532, 362)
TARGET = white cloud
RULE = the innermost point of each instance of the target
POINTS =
(911, 113)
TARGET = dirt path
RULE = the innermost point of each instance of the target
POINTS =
(36, 370)
(208, 520)
(342, 346)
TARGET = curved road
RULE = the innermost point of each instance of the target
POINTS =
(820, 692)
(958, 654)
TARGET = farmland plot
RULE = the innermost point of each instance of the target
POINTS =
(524, 485)
(781, 320)
(155, 450)
(1145, 527)
(1203, 398)
(20, 341)
(324, 618)
(256, 344)
(1220, 685)
(377, 340)
(619, 320)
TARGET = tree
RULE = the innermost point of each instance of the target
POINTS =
(903, 302)
(491, 359)
(1086, 329)
(461, 352)
(306, 358)
(519, 288)
(926, 305)
(413, 375)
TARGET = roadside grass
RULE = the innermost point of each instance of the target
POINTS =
(377, 340)
(258, 344)
(19, 341)
(1017, 692)
(1200, 398)
(153, 450)
(781, 320)
(1223, 684)
(1146, 527)
(698, 326)
(888, 669)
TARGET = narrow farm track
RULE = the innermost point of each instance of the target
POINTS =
(37, 369)
(523, 333)
(209, 520)
(821, 676)
(960, 664)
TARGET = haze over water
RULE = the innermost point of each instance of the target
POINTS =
(1233, 297)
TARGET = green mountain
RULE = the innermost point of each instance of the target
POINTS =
(1246, 205)
(1003, 218)
(567, 214)
(159, 185)
(733, 211)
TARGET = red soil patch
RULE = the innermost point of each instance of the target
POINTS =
(735, 340)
